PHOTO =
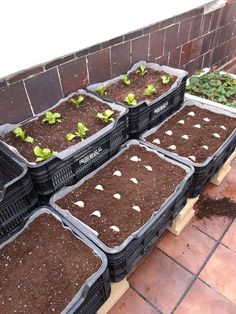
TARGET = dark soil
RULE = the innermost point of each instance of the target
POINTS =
(118, 91)
(54, 136)
(43, 269)
(197, 137)
(207, 207)
(153, 188)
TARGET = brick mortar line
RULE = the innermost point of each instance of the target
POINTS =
(146, 300)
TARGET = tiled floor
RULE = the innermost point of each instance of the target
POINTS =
(194, 273)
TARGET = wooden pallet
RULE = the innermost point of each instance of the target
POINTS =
(117, 290)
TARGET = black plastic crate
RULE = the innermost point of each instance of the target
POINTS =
(17, 195)
(72, 164)
(97, 288)
(203, 172)
(122, 258)
(148, 114)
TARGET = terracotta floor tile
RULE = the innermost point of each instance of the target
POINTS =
(220, 272)
(214, 227)
(202, 299)
(190, 248)
(230, 237)
(161, 281)
(131, 303)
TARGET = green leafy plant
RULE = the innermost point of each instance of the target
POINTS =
(141, 70)
(165, 79)
(77, 101)
(130, 99)
(125, 79)
(106, 116)
(19, 132)
(101, 90)
(52, 118)
(214, 86)
(149, 90)
(43, 153)
(81, 132)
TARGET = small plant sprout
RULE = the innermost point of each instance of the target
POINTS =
(141, 70)
(165, 79)
(99, 187)
(81, 132)
(96, 213)
(52, 118)
(130, 99)
(43, 153)
(149, 90)
(101, 90)
(19, 132)
(77, 101)
(80, 204)
(125, 79)
(106, 116)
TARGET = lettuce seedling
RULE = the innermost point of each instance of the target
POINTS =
(81, 132)
(52, 118)
(149, 90)
(106, 116)
(101, 90)
(125, 79)
(165, 79)
(141, 70)
(77, 101)
(19, 132)
(43, 153)
(130, 99)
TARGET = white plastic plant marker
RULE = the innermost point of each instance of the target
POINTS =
(96, 213)
(134, 180)
(193, 158)
(216, 135)
(80, 204)
(206, 119)
(191, 113)
(117, 173)
(137, 208)
(205, 147)
(169, 132)
(181, 121)
(173, 147)
(185, 137)
(156, 141)
(149, 168)
(117, 196)
(114, 228)
(99, 187)
(223, 127)
(135, 158)
(198, 126)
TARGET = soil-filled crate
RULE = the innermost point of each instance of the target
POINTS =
(213, 87)
(47, 267)
(69, 141)
(200, 134)
(126, 204)
(151, 93)
(17, 195)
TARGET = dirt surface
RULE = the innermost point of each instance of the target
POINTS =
(152, 189)
(118, 91)
(198, 137)
(54, 136)
(43, 269)
(207, 207)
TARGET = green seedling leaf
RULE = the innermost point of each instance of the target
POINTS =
(52, 118)
(149, 90)
(165, 79)
(101, 90)
(19, 132)
(130, 99)
(141, 70)
(77, 101)
(81, 132)
(70, 136)
(43, 153)
(125, 79)
(106, 116)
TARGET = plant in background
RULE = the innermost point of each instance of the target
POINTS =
(106, 116)
(19, 132)
(141, 70)
(165, 79)
(130, 99)
(77, 101)
(125, 79)
(43, 153)
(149, 90)
(52, 118)
(101, 90)
(81, 132)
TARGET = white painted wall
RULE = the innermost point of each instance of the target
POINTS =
(34, 32)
